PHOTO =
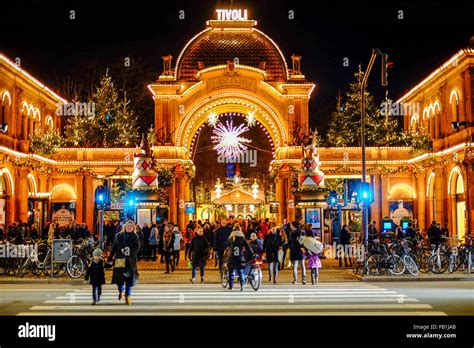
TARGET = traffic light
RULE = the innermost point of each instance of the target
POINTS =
(333, 198)
(384, 69)
(385, 66)
(365, 193)
(100, 197)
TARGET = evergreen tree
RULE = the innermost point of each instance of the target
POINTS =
(46, 143)
(113, 123)
(418, 138)
(382, 127)
(345, 125)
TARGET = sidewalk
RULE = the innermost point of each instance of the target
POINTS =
(210, 265)
(183, 277)
(152, 272)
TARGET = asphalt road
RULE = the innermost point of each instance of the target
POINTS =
(332, 298)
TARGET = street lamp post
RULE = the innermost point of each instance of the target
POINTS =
(365, 212)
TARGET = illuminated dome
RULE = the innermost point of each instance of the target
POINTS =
(225, 40)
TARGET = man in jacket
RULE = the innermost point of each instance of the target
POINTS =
(199, 249)
(296, 253)
(344, 246)
(161, 231)
(238, 247)
(285, 237)
(221, 240)
(271, 245)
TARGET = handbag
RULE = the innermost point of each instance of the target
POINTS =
(280, 256)
(119, 263)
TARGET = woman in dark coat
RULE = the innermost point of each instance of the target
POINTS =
(271, 245)
(199, 249)
(168, 247)
(344, 249)
(126, 247)
(296, 252)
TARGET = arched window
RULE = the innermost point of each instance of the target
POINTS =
(5, 110)
(437, 119)
(454, 101)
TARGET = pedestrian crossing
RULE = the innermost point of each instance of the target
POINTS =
(211, 299)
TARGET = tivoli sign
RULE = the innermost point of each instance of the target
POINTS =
(231, 15)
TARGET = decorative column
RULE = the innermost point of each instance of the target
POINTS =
(280, 186)
(375, 208)
(291, 200)
(21, 189)
(89, 201)
(80, 200)
(172, 201)
(421, 199)
(439, 185)
(469, 192)
(181, 198)
(384, 195)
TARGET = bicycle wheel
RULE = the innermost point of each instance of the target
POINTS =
(439, 263)
(37, 270)
(452, 264)
(224, 276)
(395, 264)
(423, 262)
(373, 264)
(53, 270)
(75, 266)
(256, 279)
(22, 267)
(410, 265)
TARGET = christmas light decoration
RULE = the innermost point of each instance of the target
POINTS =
(212, 120)
(250, 119)
(228, 140)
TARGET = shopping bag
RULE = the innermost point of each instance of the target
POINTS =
(190, 264)
(280, 256)
(287, 257)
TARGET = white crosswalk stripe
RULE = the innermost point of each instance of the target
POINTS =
(211, 299)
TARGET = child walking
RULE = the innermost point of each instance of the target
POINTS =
(314, 264)
(96, 275)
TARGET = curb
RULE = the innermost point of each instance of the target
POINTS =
(412, 279)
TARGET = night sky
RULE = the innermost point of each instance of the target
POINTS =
(323, 33)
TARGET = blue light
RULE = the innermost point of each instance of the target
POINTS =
(101, 197)
(131, 202)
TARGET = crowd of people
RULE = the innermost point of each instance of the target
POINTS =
(21, 232)
(203, 241)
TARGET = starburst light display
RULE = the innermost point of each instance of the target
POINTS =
(228, 140)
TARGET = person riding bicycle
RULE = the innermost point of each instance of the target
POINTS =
(237, 259)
